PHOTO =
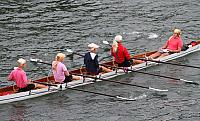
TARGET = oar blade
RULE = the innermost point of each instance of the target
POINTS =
(35, 60)
(159, 90)
(132, 99)
(189, 82)
(125, 99)
(69, 50)
(106, 42)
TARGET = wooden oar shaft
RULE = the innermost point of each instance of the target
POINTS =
(185, 65)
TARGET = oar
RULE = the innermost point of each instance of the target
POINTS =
(107, 43)
(34, 60)
(97, 93)
(191, 66)
(108, 95)
(157, 61)
(179, 79)
(44, 83)
(72, 52)
(39, 61)
(145, 87)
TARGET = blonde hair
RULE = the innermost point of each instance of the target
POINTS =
(177, 31)
(115, 46)
(59, 57)
(118, 39)
(21, 61)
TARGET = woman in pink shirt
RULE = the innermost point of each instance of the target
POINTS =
(173, 45)
(60, 72)
(19, 76)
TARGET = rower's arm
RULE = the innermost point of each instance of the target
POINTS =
(67, 73)
(176, 51)
(10, 77)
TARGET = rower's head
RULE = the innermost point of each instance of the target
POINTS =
(21, 62)
(177, 32)
(60, 57)
(93, 47)
(118, 38)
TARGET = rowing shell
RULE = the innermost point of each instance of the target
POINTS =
(9, 94)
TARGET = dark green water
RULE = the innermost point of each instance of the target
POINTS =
(42, 28)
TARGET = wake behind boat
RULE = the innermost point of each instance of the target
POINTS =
(10, 93)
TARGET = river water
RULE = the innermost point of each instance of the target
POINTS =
(42, 28)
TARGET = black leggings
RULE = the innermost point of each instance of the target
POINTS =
(68, 78)
(126, 63)
(27, 88)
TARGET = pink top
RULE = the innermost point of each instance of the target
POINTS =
(19, 76)
(174, 42)
(59, 73)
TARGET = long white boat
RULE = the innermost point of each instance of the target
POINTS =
(10, 94)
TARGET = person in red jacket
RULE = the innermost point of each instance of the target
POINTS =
(121, 54)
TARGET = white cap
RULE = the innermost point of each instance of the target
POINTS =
(21, 61)
(92, 45)
(118, 38)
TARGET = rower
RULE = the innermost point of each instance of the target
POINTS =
(173, 45)
(121, 54)
(60, 72)
(19, 76)
(91, 61)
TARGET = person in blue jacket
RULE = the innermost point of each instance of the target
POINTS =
(91, 61)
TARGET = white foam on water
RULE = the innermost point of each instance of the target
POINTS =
(139, 97)
(152, 35)
(132, 33)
